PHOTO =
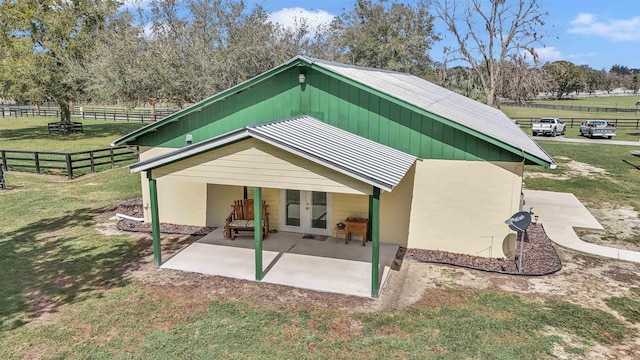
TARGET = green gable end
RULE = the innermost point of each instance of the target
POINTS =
(347, 106)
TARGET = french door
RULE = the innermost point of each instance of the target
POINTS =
(305, 212)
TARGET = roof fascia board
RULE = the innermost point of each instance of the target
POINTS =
(297, 61)
(427, 113)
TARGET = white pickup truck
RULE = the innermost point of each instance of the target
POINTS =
(599, 128)
(549, 126)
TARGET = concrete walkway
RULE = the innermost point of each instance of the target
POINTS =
(561, 214)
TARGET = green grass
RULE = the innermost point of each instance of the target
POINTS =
(627, 307)
(626, 102)
(65, 293)
(620, 187)
(31, 134)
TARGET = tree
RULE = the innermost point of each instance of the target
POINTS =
(566, 76)
(384, 35)
(462, 80)
(594, 79)
(20, 74)
(54, 37)
(522, 82)
(489, 34)
(182, 52)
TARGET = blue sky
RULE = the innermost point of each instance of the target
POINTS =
(599, 33)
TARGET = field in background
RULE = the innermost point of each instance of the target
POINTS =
(628, 102)
(28, 133)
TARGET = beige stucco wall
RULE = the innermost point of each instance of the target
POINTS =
(180, 201)
(456, 206)
(346, 205)
(219, 201)
(395, 211)
(461, 206)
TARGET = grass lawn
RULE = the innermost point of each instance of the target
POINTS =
(31, 134)
(65, 293)
(626, 102)
(620, 187)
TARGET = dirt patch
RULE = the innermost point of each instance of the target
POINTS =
(570, 169)
(621, 224)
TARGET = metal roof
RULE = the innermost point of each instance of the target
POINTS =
(327, 145)
(442, 102)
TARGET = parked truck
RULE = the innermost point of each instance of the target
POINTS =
(549, 126)
(597, 128)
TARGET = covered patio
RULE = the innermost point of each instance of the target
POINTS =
(288, 155)
(289, 259)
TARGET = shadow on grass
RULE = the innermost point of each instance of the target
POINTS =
(42, 266)
(90, 130)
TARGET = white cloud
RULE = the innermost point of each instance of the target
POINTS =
(291, 17)
(547, 54)
(134, 4)
(613, 29)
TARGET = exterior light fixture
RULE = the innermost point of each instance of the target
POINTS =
(189, 138)
(301, 78)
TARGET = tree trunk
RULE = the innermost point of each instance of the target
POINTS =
(65, 113)
(152, 106)
(37, 109)
(491, 95)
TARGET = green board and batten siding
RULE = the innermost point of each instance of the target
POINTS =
(346, 106)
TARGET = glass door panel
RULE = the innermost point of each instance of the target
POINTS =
(292, 208)
(318, 210)
(305, 211)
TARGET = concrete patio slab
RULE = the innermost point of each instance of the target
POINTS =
(324, 274)
(288, 259)
(218, 260)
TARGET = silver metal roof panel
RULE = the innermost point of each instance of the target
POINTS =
(442, 102)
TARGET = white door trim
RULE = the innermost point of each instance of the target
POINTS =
(305, 215)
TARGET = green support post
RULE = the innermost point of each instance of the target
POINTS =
(155, 220)
(375, 240)
(257, 229)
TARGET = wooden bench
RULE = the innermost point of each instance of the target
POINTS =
(240, 221)
(65, 128)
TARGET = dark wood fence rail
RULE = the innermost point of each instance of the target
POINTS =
(628, 124)
(78, 163)
(572, 107)
(105, 114)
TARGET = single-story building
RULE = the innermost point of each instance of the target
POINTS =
(321, 141)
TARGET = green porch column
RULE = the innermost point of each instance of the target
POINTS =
(155, 220)
(374, 219)
(257, 229)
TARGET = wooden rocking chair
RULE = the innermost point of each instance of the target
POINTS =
(241, 219)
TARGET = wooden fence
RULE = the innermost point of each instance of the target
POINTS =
(573, 107)
(69, 164)
(104, 114)
(624, 124)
